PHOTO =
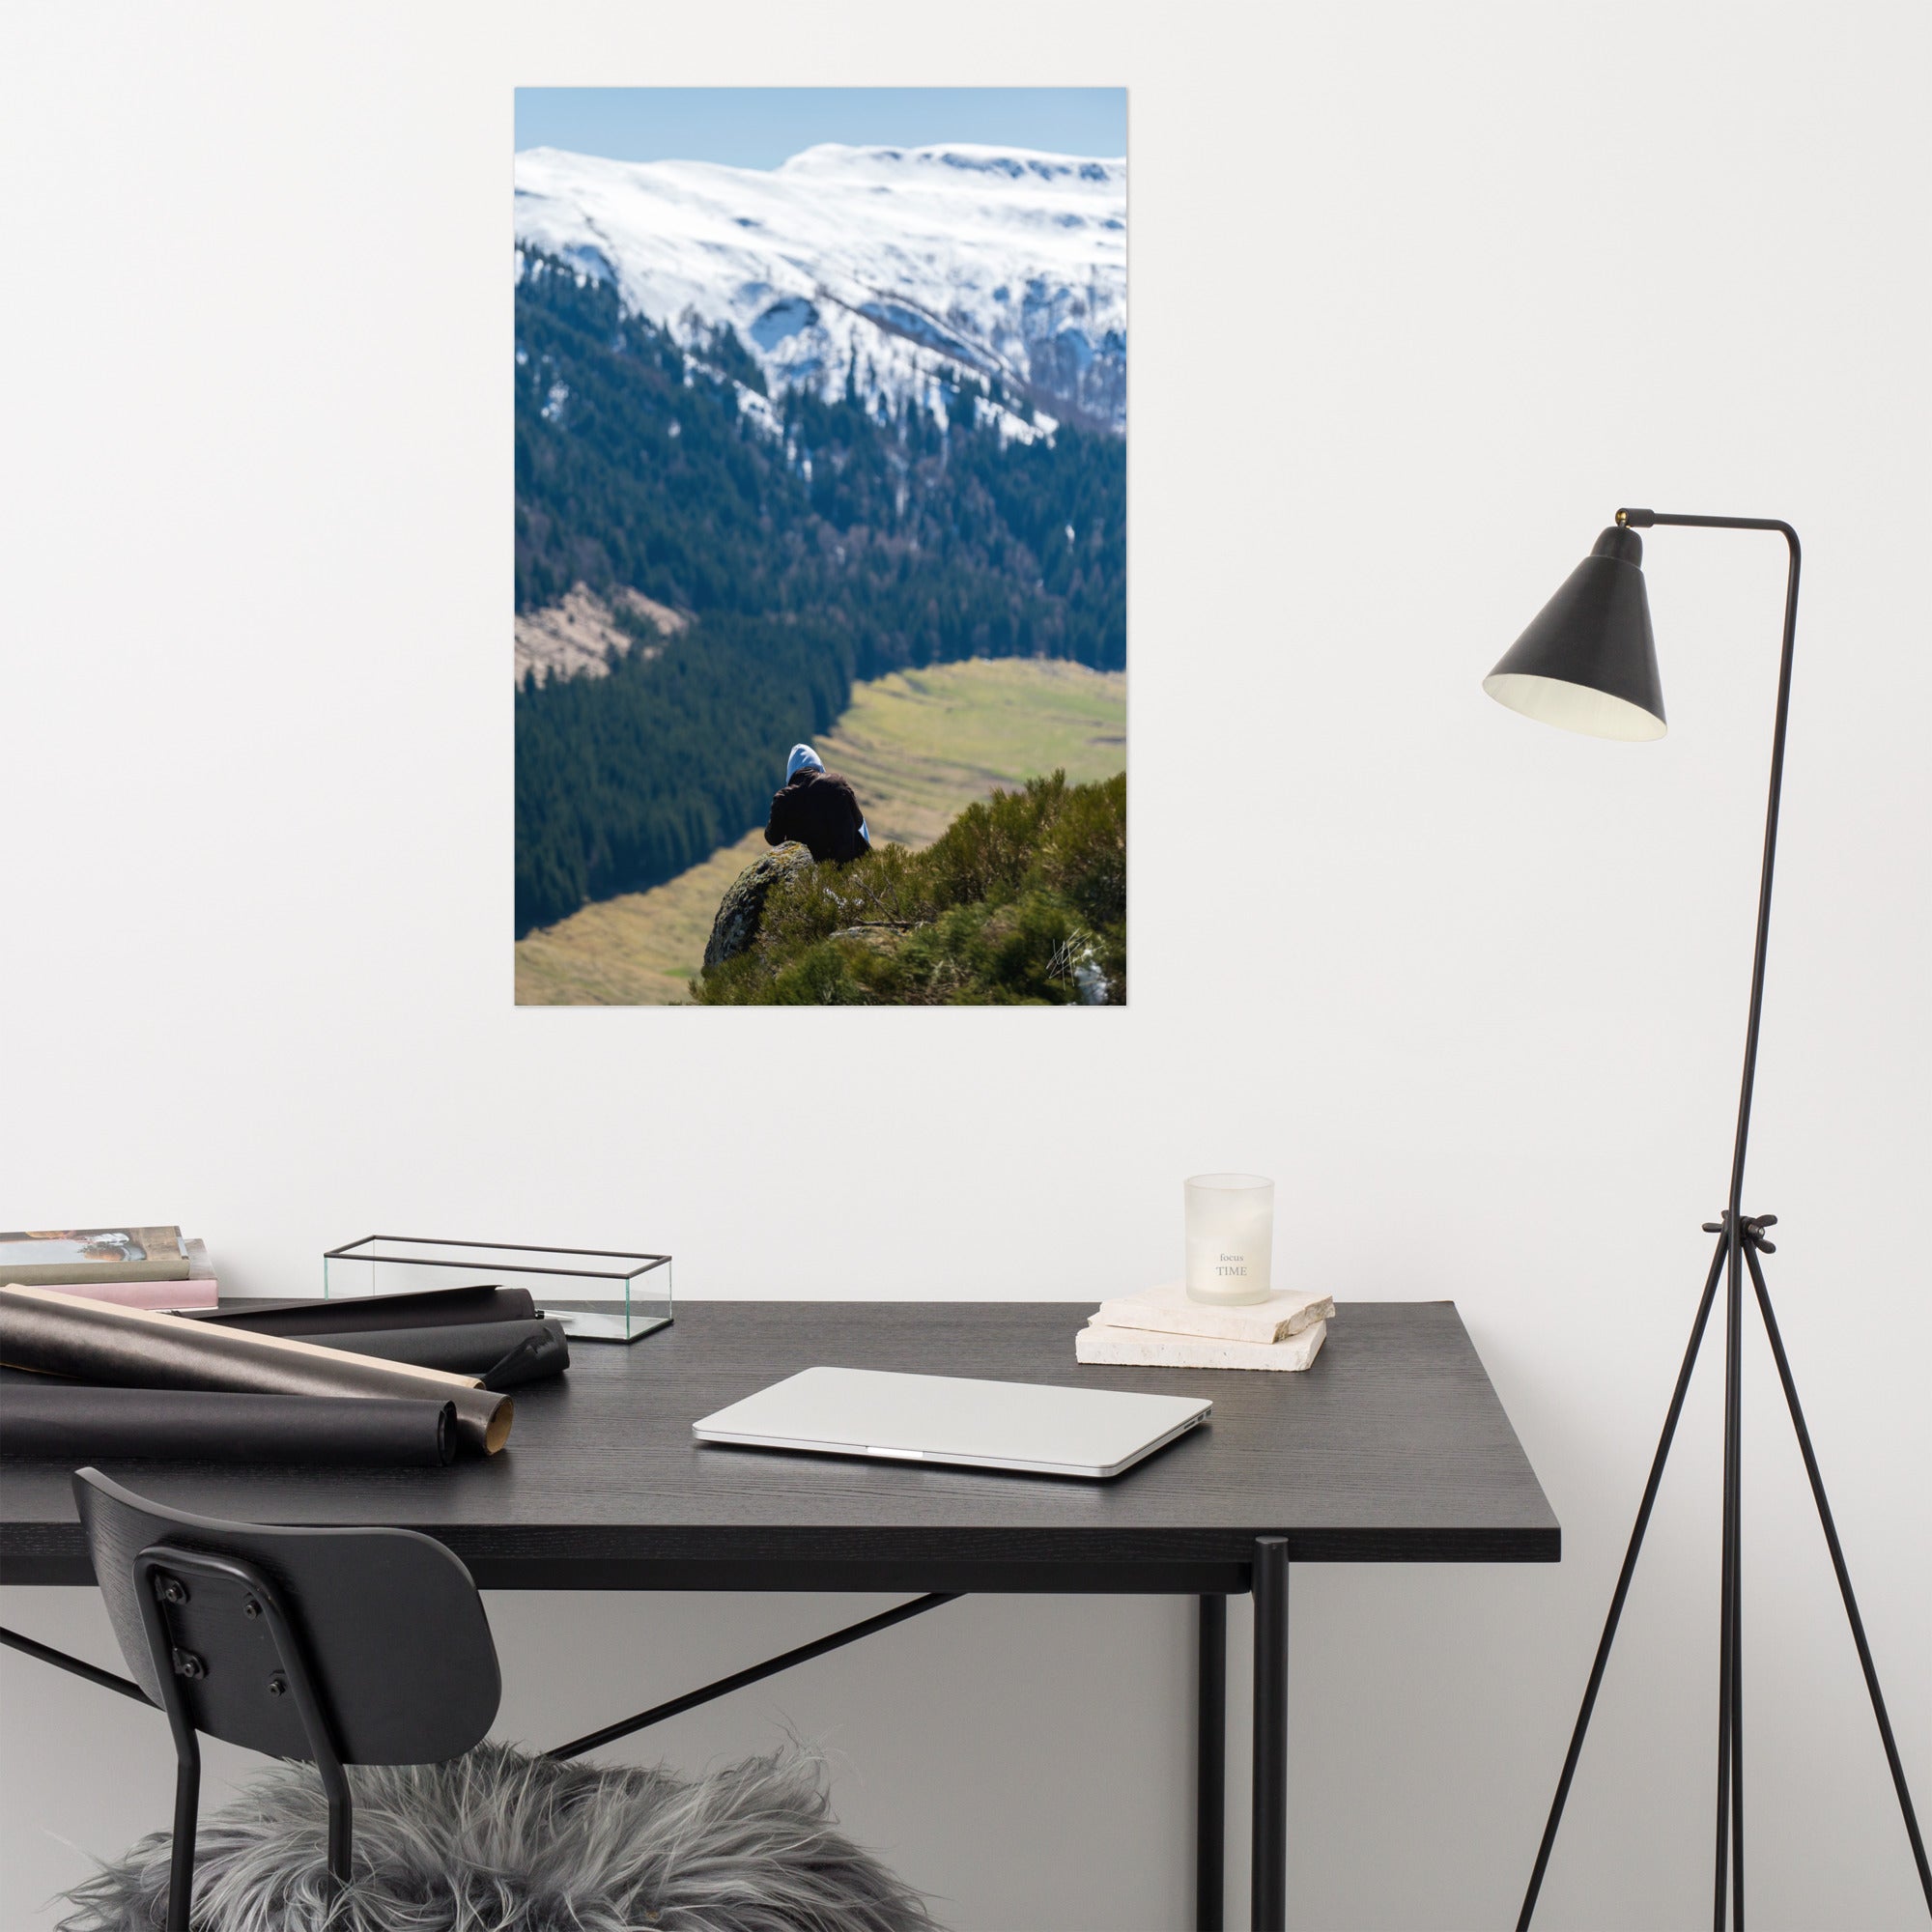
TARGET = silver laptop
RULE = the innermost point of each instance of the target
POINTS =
(1044, 1432)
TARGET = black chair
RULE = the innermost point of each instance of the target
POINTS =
(330, 1646)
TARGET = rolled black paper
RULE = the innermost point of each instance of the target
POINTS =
(466, 1348)
(69, 1422)
(364, 1314)
(137, 1347)
(525, 1363)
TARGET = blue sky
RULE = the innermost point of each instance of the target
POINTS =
(760, 126)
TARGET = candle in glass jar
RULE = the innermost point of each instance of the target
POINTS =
(1230, 1238)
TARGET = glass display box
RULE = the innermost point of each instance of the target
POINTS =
(598, 1296)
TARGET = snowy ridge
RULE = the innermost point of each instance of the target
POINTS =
(917, 261)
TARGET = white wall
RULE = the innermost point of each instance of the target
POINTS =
(1420, 295)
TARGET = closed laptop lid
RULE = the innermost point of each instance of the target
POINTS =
(953, 1419)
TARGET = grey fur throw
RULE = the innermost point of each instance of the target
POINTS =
(495, 1842)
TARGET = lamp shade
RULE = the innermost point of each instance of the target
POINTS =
(1588, 662)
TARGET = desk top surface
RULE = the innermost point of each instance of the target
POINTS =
(1392, 1447)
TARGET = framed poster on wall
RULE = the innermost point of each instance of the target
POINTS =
(820, 545)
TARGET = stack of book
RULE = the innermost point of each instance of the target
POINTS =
(1162, 1328)
(131, 1268)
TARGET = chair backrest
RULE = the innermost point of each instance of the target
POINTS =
(390, 1629)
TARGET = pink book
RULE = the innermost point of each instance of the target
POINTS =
(160, 1294)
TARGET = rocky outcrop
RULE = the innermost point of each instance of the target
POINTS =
(741, 912)
(580, 635)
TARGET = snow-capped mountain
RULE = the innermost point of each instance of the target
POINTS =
(917, 261)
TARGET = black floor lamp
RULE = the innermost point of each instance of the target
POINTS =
(1589, 663)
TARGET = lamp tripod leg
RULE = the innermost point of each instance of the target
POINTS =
(1843, 1574)
(1621, 1590)
(1730, 1859)
(1737, 1460)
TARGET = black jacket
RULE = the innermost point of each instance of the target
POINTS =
(820, 810)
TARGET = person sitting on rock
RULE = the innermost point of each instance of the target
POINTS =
(819, 810)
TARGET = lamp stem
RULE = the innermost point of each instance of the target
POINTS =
(1730, 1859)
(1643, 520)
(1763, 938)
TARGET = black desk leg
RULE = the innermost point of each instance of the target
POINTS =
(1210, 1766)
(1270, 1893)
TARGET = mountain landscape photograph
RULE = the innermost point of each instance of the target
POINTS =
(820, 502)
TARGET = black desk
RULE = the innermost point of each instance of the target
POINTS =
(1392, 1448)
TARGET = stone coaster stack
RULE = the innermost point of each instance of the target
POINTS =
(1162, 1328)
